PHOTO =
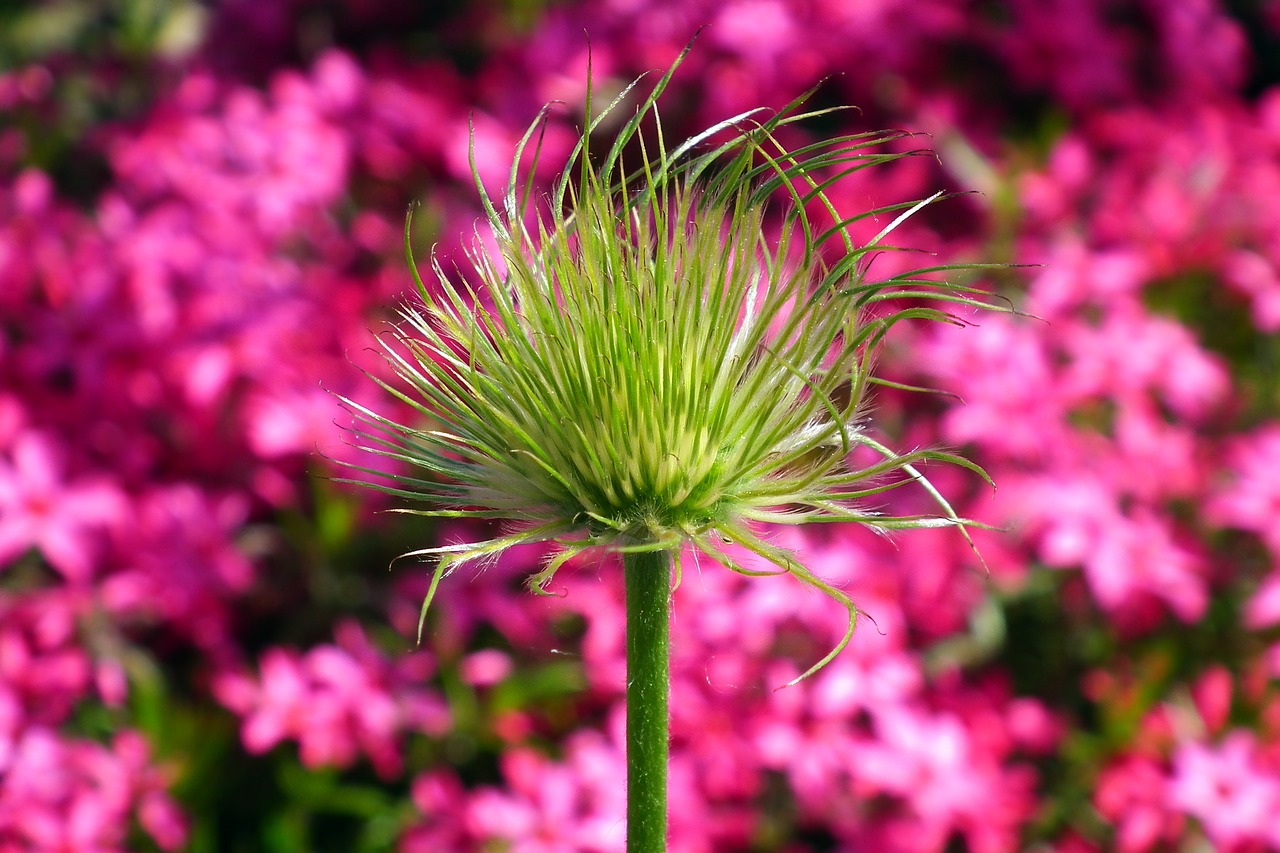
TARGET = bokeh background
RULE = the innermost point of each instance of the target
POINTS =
(202, 645)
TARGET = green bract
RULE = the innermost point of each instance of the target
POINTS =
(644, 364)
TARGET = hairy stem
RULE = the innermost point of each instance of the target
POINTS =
(648, 578)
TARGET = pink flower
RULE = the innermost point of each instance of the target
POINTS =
(179, 561)
(1212, 693)
(272, 161)
(1132, 795)
(1129, 559)
(760, 30)
(40, 509)
(1076, 275)
(1069, 49)
(1203, 29)
(947, 779)
(295, 421)
(1226, 788)
(441, 799)
(1004, 372)
(43, 665)
(1255, 275)
(338, 702)
(11, 723)
(486, 667)
(1250, 500)
(1132, 354)
(552, 806)
(77, 795)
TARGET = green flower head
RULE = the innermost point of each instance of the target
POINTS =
(643, 363)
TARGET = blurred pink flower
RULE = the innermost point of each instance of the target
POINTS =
(180, 561)
(1255, 275)
(40, 508)
(1128, 558)
(1131, 793)
(11, 724)
(759, 30)
(1212, 693)
(1132, 353)
(298, 421)
(1004, 372)
(1069, 49)
(1226, 788)
(442, 800)
(43, 664)
(77, 795)
(486, 667)
(337, 701)
(950, 784)
(270, 160)
(1206, 48)
(1250, 498)
(550, 807)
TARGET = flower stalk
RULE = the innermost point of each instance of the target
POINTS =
(648, 607)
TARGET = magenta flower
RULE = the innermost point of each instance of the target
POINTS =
(338, 701)
(41, 509)
(1227, 789)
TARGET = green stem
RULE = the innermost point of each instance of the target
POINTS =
(648, 578)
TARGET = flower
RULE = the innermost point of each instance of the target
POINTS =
(1228, 790)
(40, 508)
(662, 355)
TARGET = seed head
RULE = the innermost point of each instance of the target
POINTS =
(662, 356)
